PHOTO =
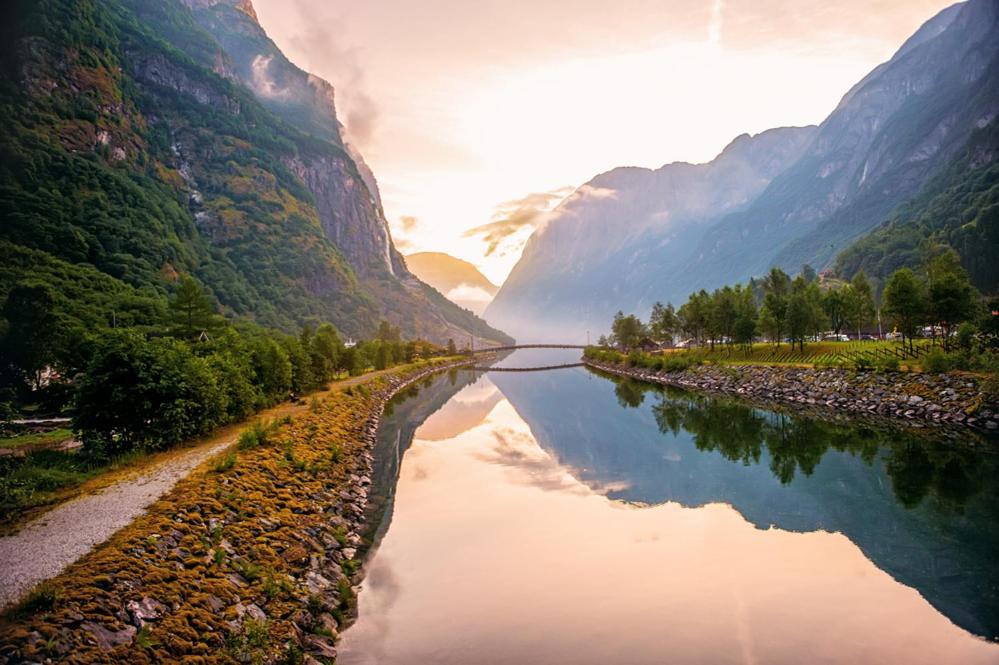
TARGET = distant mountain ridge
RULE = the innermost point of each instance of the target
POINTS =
(892, 133)
(606, 241)
(459, 281)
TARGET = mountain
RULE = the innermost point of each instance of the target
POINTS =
(891, 135)
(149, 139)
(606, 245)
(958, 209)
(459, 281)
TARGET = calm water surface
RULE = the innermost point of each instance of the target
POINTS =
(562, 517)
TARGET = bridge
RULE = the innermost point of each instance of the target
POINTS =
(516, 347)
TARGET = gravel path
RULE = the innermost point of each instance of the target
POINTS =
(44, 547)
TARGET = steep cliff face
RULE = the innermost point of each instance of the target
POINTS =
(609, 245)
(166, 156)
(891, 134)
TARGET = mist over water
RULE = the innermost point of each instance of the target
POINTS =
(562, 517)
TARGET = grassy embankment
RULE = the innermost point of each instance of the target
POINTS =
(250, 526)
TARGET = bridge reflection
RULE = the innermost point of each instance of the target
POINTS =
(544, 368)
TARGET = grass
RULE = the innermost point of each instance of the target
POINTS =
(37, 438)
(814, 353)
(43, 598)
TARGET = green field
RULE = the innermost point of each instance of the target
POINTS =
(814, 353)
(36, 438)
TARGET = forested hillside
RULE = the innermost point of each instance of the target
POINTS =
(959, 209)
(135, 149)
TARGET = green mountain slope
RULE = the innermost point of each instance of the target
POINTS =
(132, 145)
(959, 209)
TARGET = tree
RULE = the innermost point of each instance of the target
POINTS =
(387, 332)
(663, 323)
(326, 349)
(777, 290)
(722, 317)
(627, 330)
(746, 316)
(859, 305)
(32, 341)
(271, 368)
(191, 310)
(694, 313)
(905, 302)
(808, 274)
(139, 393)
(952, 298)
(804, 311)
(452, 350)
(769, 325)
(834, 303)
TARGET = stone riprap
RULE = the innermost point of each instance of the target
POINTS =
(954, 399)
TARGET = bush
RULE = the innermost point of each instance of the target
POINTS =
(886, 364)
(225, 462)
(149, 394)
(937, 361)
(254, 436)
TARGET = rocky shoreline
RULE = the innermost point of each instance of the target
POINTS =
(252, 558)
(915, 399)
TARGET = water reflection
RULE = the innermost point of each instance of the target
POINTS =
(574, 519)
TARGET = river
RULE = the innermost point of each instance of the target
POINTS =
(565, 517)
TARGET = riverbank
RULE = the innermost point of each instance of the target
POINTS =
(917, 399)
(249, 558)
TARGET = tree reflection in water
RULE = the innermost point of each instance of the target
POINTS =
(916, 467)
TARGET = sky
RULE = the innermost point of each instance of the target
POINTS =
(479, 116)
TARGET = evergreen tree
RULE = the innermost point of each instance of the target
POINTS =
(191, 310)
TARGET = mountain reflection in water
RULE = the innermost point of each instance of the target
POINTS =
(563, 517)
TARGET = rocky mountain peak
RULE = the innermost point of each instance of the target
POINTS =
(245, 6)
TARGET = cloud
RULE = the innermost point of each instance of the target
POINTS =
(408, 223)
(512, 217)
(317, 37)
(262, 81)
(715, 24)
(468, 293)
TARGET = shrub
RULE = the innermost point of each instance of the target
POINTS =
(254, 436)
(886, 364)
(42, 598)
(225, 462)
(937, 361)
